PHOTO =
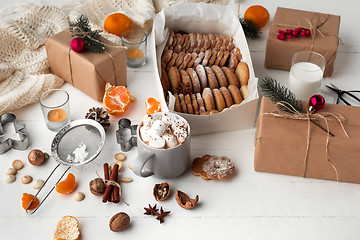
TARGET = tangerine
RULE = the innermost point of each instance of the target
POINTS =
(152, 105)
(67, 228)
(258, 15)
(116, 99)
(26, 199)
(117, 24)
(67, 186)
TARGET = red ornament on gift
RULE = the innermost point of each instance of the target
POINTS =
(316, 103)
(77, 45)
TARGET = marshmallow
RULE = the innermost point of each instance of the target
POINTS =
(158, 128)
(157, 142)
(168, 119)
(181, 134)
(144, 133)
(170, 140)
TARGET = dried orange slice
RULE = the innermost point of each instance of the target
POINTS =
(26, 199)
(116, 99)
(67, 229)
(67, 186)
(152, 105)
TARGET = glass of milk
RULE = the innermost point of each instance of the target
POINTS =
(307, 69)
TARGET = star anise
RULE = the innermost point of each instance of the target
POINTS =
(184, 88)
(161, 215)
(151, 210)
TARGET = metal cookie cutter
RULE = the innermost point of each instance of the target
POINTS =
(9, 143)
(126, 134)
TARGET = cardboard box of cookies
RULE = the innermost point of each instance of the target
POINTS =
(204, 68)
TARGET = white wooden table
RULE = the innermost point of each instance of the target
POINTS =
(250, 205)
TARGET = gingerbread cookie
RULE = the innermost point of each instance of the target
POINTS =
(213, 112)
(242, 73)
(235, 94)
(233, 62)
(165, 81)
(182, 103)
(207, 57)
(200, 102)
(221, 78)
(172, 61)
(200, 70)
(179, 59)
(188, 102)
(244, 91)
(213, 58)
(227, 96)
(230, 76)
(194, 104)
(194, 80)
(218, 167)
(219, 56)
(224, 59)
(185, 79)
(207, 42)
(193, 40)
(197, 166)
(237, 53)
(219, 100)
(186, 60)
(174, 77)
(177, 106)
(200, 40)
(208, 99)
(213, 83)
(180, 39)
(166, 57)
(199, 58)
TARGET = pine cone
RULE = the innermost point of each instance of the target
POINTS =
(100, 115)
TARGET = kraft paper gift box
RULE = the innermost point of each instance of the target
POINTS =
(324, 38)
(280, 144)
(89, 72)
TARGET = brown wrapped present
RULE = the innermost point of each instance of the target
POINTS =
(281, 144)
(86, 71)
(324, 38)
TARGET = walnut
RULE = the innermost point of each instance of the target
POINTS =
(37, 157)
(119, 222)
(184, 201)
(97, 186)
(161, 191)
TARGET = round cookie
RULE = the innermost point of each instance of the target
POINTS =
(221, 78)
(213, 58)
(180, 59)
(213, 112)
(199, 58)
(195, 80)
(182, 103)
(244, 91)
(174, 78)
(233, 62)
(195, 104)
(165, 81)
(177, 48)
(186, 60)
(224, 59)
(242, 73)
(180, 39)
(177, 103)
(238, 54)
(207, 57)
(172, 61)
(200, 70)
(208, 99)
(230, 76)
(219, 56)
(207, 42)
(227, 96)
(188, 102)
(213, 83)
(200, 102)
(193, 40)
(166, 57)
(219, 100)
(235, 94)
(230, 46)
(185, 79)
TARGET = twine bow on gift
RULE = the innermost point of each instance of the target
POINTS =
(296, 115)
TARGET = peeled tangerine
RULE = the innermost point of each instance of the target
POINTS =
(67, 186)
(26, 199)
(116, 99)
(152, 105)
(67, 229)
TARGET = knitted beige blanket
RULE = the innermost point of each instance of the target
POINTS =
(24, 69)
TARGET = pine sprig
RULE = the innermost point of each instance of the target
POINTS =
(81, 29)
(276, 92)
(251, 30)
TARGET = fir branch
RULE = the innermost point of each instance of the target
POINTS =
(81, 29)
(276, 92)
(251, 30)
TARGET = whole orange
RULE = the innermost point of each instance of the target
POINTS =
(117, 24)
(258, 15)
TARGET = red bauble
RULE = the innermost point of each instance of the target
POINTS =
(316, 103)
(77, 45)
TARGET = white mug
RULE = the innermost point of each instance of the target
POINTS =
(162, 163)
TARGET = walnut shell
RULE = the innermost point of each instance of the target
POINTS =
(119, 222)
(184, 201)
(161, 191)
(97, 186)
(37, 157)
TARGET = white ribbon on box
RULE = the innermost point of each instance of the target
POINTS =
(206, 18)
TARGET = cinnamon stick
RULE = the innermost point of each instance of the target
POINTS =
(115, 192)
(109, 187)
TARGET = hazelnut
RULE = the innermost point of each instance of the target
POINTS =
(37, 157)
(97, 186)
(119, 222)
(185, 201)
(161, 191)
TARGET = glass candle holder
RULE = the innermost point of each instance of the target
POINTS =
(135, 41)
(306, 73)
(56, 108)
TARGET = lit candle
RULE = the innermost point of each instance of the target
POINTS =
(135, 57)
(57, 115)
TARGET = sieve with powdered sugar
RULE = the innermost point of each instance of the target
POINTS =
(77, 143)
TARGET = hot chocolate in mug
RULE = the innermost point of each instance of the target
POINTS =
(163, 145)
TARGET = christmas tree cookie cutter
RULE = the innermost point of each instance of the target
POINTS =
(126, 134)
(6, 144)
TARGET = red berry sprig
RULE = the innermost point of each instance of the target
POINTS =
(290, 33)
